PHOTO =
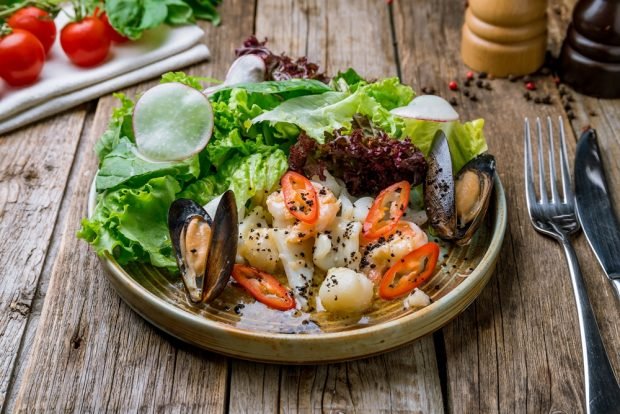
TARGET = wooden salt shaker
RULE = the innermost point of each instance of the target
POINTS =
(505, 37)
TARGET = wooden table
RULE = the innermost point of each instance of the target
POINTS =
(68, 343)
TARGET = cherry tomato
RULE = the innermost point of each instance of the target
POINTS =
(21, 58)
(114, 36)
(412, 271)
(300, 197)
(85, 42)
(36, 21)
(264, 287)
(376, 223)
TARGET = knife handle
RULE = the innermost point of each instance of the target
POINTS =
(615, 282)
(602, 389)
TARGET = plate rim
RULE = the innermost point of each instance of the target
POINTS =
(480, 275)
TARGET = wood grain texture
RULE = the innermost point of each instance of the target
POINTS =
(517, 348)
(604, 116)
(91, 352)
(34, 166)
(407, 380)
(52, 253)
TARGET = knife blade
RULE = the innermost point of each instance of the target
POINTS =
(594, 207)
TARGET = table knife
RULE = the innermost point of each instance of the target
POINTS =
(595, 209)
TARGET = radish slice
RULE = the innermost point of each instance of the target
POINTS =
(245, 69)
(428, 108)
(172, 122)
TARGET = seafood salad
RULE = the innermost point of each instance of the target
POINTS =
(299, 192)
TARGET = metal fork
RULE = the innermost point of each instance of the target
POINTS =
(555, 217)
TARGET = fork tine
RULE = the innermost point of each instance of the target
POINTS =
(530, 193)
(541, 164)
(566, 184)
(554, 187)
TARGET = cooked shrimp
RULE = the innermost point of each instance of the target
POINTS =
(298, 230)
(382, 253)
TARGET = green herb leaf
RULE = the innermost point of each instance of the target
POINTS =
(132, 17)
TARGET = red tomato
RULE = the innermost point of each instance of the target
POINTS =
(376, 223)
(85, 42)
(21, 58)
(300, 197)
(114, 36)
(264, 287)
(36, 21)
(412, 270)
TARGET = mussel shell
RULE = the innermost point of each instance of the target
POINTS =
(484, 167)
(222, 248)
(439, 188)
(223, 251)
(180, 214)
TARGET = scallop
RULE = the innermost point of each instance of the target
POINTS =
(346, 291)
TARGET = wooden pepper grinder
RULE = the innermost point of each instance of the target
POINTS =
(590, 56)
(505, 37)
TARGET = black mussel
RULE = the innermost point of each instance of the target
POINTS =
(456, 206)
(205, 248)
(439, 188)
(472, 193)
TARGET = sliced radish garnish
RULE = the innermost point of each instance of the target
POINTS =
(428, 108)
(172, 122)
(245, 69)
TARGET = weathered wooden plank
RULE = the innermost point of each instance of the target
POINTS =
(34, 166)
(517, 347)
(339, 35)
(97, 354)
(403, 381)
(604, 116)
(52, 253)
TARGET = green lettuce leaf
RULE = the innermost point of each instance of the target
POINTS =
(466, 140)
(204, 190)
(285, 89)
(119, 126)
(131, 223)
(123, 165)
(195, 82)
(318, 114)
(254, 177)
(347, 81)
(250, 177)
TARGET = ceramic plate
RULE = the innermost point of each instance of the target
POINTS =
(237, 326)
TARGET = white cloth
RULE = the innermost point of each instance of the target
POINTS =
(63, 85)
(58, 104)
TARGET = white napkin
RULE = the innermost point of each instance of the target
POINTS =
(53, 106)
(62, 84)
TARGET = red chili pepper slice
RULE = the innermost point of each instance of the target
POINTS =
(264, 287)
(391, 201)
(412, 271)
(300, 197)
